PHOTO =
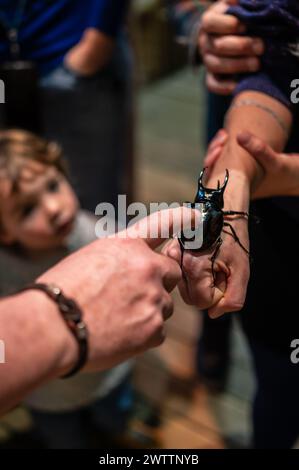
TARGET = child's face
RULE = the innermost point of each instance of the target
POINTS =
(41, 213)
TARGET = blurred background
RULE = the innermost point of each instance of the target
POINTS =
(176, 408)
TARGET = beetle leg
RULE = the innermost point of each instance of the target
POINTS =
(182, 257)
(235, 237)
(185, 278)
(253, 217)
(214, 256)
(244, 214)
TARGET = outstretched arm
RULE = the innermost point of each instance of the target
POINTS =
(265, 117)
(123, 288)
(95, 49)
(261, 106)
(37, 345)
(232, 263)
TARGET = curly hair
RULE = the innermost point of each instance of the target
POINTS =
(18, 147)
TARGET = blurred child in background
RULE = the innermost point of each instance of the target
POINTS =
(40, 223)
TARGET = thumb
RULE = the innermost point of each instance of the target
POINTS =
(258, 149)
(172, 250)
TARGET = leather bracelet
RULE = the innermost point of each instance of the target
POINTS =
(72, 316)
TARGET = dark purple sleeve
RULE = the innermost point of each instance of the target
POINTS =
(277, 23)
(263, 83)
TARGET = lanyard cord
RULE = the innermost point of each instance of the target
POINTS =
(12, 28)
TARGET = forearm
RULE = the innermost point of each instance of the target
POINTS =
(96, 46)
(245, 173)
(38, 345)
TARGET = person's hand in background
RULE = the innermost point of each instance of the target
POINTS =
(225, 48)
(91, 54)
(281, 170)
(227, 291)
(198, 286)
(215, 148)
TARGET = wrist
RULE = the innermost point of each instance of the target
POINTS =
(237, 193)
(90, 54)
(60, 350)
(96, 46)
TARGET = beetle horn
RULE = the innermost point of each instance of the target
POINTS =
(225, 181)
(200, 184)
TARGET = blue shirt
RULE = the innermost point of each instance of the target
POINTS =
(50, 28)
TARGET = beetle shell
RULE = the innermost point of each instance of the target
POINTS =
(212, 226)
(212, 216)
(212, 220)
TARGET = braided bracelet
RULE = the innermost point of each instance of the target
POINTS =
(72, 315)
(249, 102)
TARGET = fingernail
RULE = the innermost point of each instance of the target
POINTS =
(253, 65)
(220, 137)
(214, 316)
(258, 47)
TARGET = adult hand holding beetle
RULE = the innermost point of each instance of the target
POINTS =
(122, 287)
(281, 170)
(219, 287)
(228, 293)
(224, 48)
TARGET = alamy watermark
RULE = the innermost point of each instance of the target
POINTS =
(295, 92)
(2, 352)
(2, 92)
(158, 220)
(295, 353)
